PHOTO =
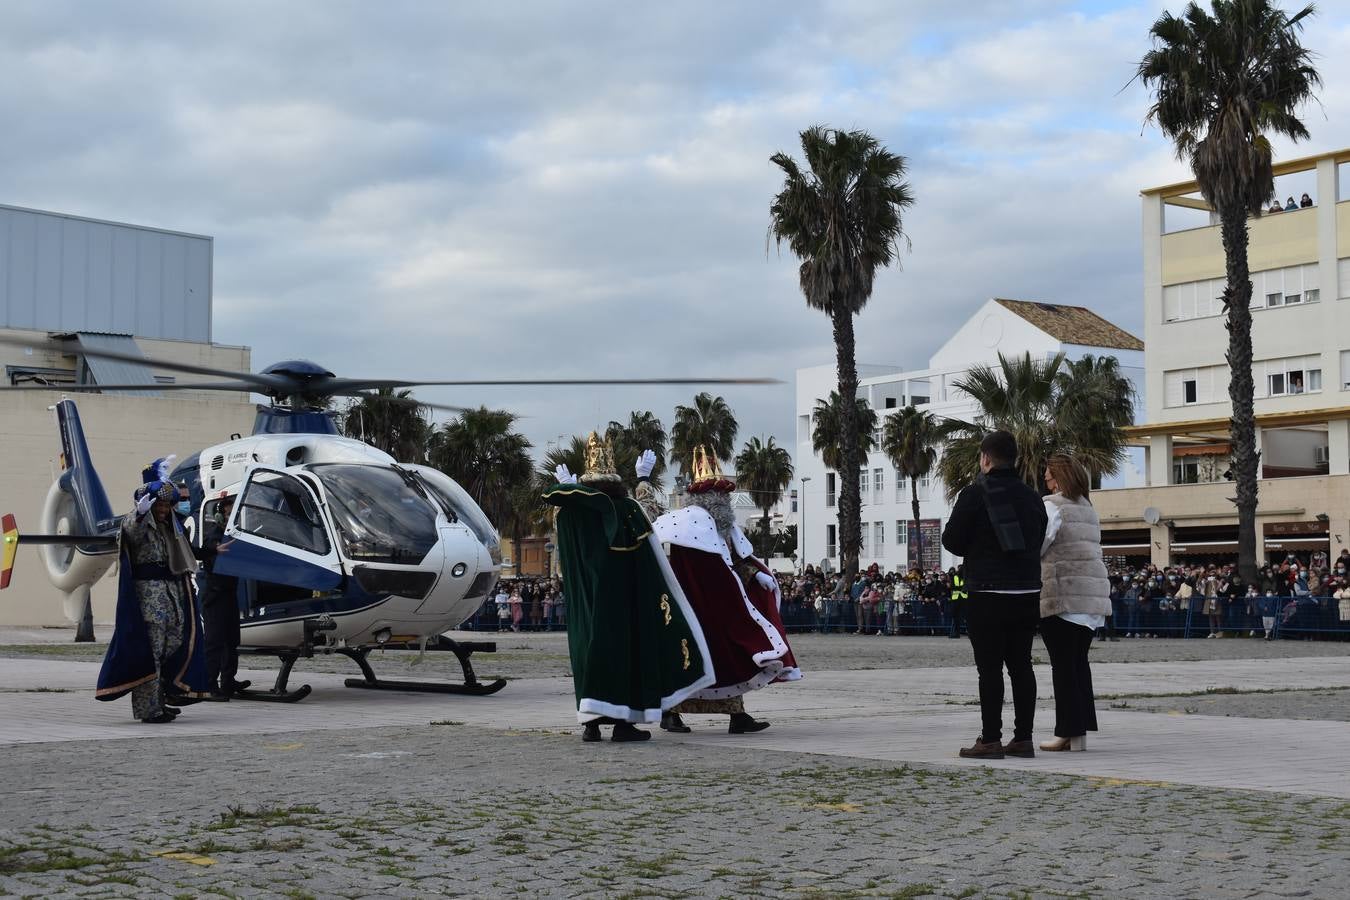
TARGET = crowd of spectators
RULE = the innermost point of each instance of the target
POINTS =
(1298, 597)
(873, 603)
(522, 604)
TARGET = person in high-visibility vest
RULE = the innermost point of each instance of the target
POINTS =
(957, 605)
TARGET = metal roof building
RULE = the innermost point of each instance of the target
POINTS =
(66, 273)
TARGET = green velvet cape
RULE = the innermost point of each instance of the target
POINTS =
(635, 644)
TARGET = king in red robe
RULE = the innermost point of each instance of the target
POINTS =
(734, 595)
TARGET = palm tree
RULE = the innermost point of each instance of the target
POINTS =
(842, 220)
(710, 423)
(910, 440)
(1222, 85)
(572, 454)
(479, 449)
(827, 432)
(764, 470)
(391, 421)
(1049, 407)
(644, 431)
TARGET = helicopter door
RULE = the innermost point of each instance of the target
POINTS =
(279, 535)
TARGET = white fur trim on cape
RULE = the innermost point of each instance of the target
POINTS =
(589, 708)
(693, 527)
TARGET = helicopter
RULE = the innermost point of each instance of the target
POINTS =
(338, 547)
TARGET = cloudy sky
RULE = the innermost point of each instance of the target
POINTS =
(555, 189)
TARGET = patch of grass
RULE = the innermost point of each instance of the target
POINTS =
(657, 867)
(266, 816)
(284, 845)
(13, 861)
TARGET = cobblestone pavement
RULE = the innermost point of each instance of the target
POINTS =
(443, 810)
(237, 801)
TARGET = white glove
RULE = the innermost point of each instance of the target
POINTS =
(148, 500)
(645, 463)
(564, 475)
(766, 581)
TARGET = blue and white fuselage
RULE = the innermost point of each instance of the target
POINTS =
(329, 529)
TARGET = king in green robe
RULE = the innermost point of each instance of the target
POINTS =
(635, 644)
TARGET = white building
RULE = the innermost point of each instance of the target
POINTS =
(69, 284)
(1008, 327)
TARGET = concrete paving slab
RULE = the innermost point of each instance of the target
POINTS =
(900, 716)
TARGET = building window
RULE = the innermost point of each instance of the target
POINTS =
(1188, 393)
(829, 493)
(878, 486)
(900, 495)
(1345, 370)
(831, 545)
(923, 485)
(1186, 473)
(890, 403)
(902, 532)
(879, 536)
(863, 488)
(1275, 299)
(862, 539)
(1299, 375)
(1312, 295)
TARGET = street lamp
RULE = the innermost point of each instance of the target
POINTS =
(802, 506)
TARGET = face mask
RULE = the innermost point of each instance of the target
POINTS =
(184, 507)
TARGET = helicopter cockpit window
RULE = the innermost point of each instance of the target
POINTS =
(278, 507)
(379, 516)
(468, 512)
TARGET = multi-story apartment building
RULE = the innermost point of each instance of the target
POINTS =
(1300, 270)
(1009, 327)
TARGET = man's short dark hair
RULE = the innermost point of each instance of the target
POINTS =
(1000, 447)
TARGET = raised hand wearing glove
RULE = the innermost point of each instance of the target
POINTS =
(766, 581)
(147, 500)
(645, 463)
(564, 475)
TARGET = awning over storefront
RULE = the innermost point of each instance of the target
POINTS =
(1322, 543)
(1204, 548)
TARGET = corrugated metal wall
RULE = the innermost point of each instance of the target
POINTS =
(62, 273)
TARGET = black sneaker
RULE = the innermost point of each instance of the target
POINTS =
(162, 719)
(237, 687)
(590, 732)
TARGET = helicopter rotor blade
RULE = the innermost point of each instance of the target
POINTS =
(269, 383)
(406, 401)
(170, 386)
(343, 385)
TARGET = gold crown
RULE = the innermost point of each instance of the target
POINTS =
(707, 472)
(599, 460)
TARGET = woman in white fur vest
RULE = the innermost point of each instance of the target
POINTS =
(1075, 598)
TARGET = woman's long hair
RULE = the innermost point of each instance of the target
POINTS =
(1071, 476)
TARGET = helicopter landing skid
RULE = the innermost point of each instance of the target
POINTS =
(462, 650)
(278, 692)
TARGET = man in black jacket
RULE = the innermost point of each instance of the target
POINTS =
(997, 525)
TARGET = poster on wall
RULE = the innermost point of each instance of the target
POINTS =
(931, 530)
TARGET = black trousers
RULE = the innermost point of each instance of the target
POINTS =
(1001, 629)
(1068, 645)
(222, 635)
(957, 611)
